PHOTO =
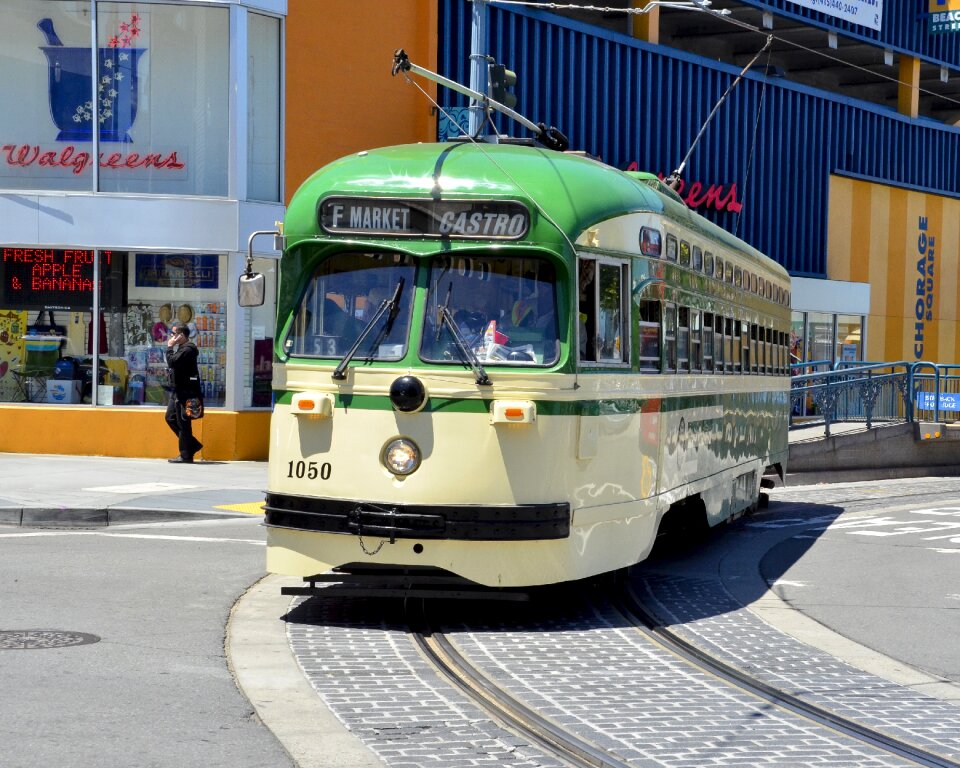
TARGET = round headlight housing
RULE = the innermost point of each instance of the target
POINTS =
(401, 456)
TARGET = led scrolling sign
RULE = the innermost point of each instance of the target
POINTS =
(39, 278)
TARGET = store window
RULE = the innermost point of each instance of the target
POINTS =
(44, 85)
(826, 338)
(849, 343)
(819, 337)
(160, 97)
(257, 362)
(50, 336)
(263, 108)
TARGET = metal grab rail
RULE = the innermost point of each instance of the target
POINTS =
(889, 392)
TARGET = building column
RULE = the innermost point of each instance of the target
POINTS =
(646, 26)
(908, 89)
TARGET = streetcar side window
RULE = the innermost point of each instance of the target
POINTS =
(745, 346)
(670, 336)
(696, 352)
(649, 332)
(708, 264)
(671, 253)
(729, 356)
(683, 339)
(587, 318)
(753, 349)
(736, 347)
(707, 341)
(769, 334)
(718, 343)
(698, 258)
(684, 253)
(611, 317)
(603, 315)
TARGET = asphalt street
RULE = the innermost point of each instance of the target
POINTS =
(155, 689)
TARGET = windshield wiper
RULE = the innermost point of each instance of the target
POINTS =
(444, 316)
(393, 305)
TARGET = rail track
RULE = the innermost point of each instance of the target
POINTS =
(574, 750)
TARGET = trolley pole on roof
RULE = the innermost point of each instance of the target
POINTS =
(478, 64)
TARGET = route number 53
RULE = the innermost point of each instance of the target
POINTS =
(308, 469)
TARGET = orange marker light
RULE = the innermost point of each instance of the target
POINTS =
(513, 413)
(306, 405)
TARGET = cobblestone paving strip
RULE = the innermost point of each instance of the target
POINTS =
(359, 658)
(597, 676)
(703, 612)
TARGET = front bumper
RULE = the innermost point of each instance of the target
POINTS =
(523, 522)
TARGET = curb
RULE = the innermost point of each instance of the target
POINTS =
(266, 672)
(88, 517)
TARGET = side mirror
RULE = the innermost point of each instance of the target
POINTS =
(251, 290)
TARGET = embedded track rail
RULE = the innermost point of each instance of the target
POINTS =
(627, 603)
(547, 735)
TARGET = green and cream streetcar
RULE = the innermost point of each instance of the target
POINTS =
(515, 365)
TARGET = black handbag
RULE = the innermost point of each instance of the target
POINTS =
(193, 408)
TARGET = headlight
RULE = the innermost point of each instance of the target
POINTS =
(401, 456)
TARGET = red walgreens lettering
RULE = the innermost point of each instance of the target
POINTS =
(26, 155)
(717, 196)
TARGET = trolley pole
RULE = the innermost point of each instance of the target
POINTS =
(478, 63)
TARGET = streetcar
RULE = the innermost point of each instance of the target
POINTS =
(515, 365)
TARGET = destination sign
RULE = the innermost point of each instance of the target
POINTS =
(483, 219)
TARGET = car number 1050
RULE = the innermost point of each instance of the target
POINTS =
(309, 469)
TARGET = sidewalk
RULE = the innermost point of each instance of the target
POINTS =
(98, 490)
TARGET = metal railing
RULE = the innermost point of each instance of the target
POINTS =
(890, 393)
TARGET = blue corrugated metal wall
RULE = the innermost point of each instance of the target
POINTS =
(903, 28)
(626, 101)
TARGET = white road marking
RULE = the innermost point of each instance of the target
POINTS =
(140, 488)
(786, 583)
(212, 539)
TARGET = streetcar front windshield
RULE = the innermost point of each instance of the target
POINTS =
(504, 309)
(341, 300)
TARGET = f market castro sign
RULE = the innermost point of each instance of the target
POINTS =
(486, 219)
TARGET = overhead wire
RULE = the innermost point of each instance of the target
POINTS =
(702, 6)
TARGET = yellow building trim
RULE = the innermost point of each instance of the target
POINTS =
(908, 89)
(841, 241)
(897, 300)
(646, 26)
(875, 234)
(130, 432)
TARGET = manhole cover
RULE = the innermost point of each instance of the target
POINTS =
(28, 639)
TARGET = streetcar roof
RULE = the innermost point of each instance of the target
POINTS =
(574, 191)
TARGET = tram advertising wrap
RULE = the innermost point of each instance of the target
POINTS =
(519, 377)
